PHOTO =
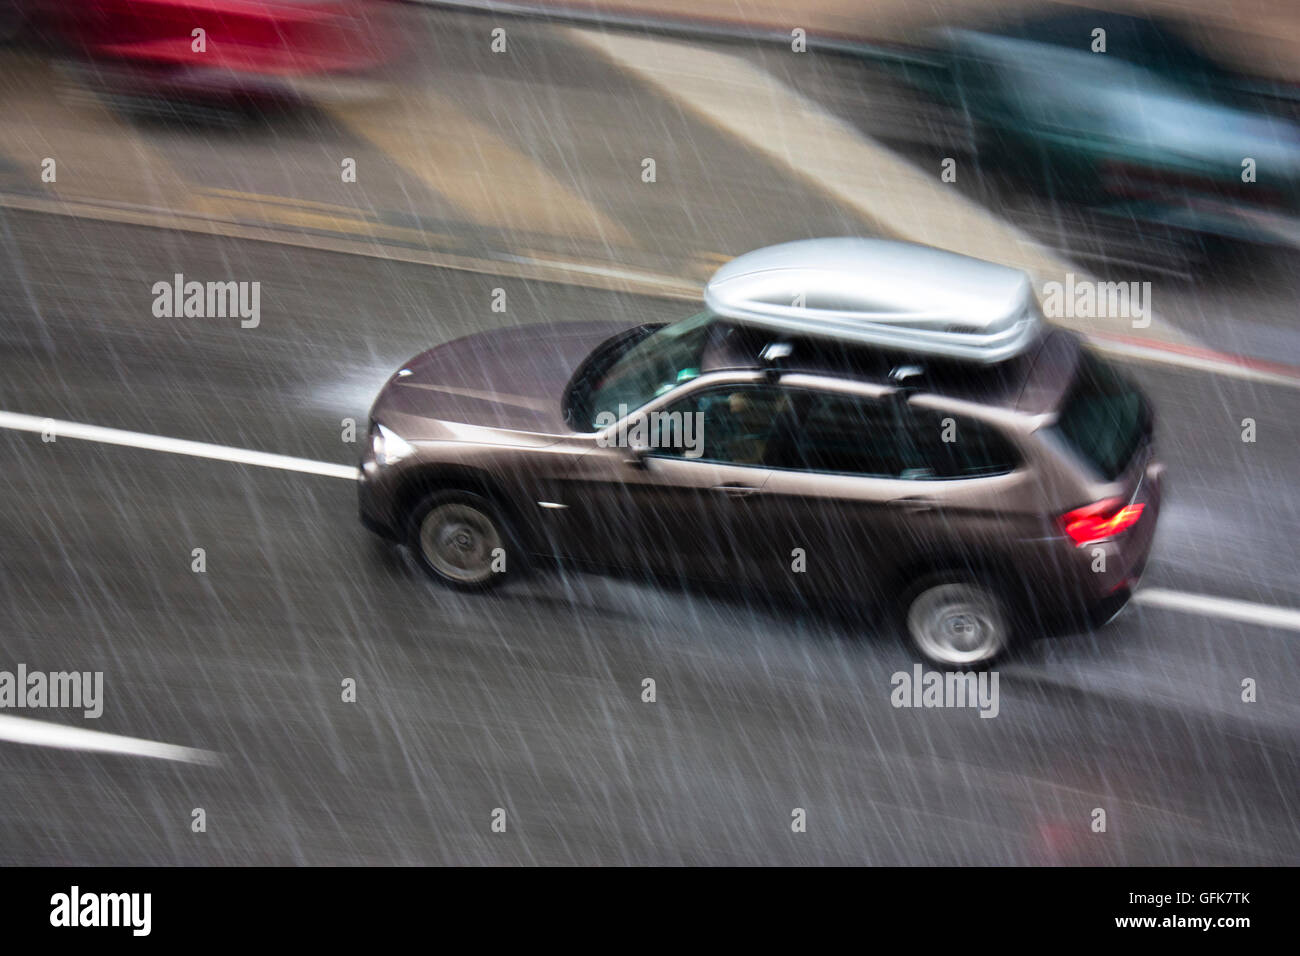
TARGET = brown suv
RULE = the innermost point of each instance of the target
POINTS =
(972, 498)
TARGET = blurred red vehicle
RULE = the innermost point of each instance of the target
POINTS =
(246, 50)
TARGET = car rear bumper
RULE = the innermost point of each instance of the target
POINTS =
(1094, 581)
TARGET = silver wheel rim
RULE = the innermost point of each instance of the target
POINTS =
(957, 624)
(458, 540)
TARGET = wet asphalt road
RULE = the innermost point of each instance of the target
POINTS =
(528, 699)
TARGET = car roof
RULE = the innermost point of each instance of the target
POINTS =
(1032, 382)
(892, 295)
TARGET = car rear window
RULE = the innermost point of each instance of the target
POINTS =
(1104, 419)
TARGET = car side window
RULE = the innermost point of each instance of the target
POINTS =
(832, 433)
(947, 446)
(850, 435)
(740, 424)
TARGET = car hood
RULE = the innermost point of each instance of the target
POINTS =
(510, 379)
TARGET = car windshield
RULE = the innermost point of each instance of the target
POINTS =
(653, 366)
(1104, 418)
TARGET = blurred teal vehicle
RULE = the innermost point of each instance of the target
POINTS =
(1151, 130)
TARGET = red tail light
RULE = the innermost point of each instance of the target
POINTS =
(1099, 521)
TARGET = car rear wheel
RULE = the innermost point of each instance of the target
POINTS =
(461, 540)
(958, 623)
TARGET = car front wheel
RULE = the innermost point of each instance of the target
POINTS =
(461, 540)
(958, 623)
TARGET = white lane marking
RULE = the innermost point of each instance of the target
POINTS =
(1208, 606)
(176, 446)
(23, 730)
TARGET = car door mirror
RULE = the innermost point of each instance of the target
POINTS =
(636, 454)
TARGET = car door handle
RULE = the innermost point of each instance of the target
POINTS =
(735, 491)
(915, 505)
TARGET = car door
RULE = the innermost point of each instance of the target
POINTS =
(685, 505)
(879, 487)
(836, 513)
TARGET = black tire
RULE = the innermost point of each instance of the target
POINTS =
(463, 540)
(958, 620)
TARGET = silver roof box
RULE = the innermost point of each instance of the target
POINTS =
(894, 295)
